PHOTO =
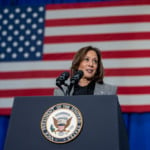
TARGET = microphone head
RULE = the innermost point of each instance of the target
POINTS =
(80, 72)
(64, 75)
(77, 76)
(61, 79)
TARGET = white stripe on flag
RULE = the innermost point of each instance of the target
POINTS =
(62, 65)
(6, 102)
(96, 12)
(134, 99)
(104, 46)
(123, 100)
(50, 82)
(95, 29)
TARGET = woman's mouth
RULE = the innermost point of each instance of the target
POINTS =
(89, 70)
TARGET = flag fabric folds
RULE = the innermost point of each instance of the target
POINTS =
(38, 43)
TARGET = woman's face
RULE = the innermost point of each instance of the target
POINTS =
(89, 64)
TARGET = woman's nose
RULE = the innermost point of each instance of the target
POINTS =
(90, 63)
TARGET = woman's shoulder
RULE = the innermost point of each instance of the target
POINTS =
(58, 92)
(105, 88)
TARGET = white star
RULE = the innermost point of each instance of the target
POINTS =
(5, 22)
(14, 55)
(40, 20)
(17, 21)
(40, 31)
(33, 37)
(35, 15)
(28, 32)
(21, 38)
(9, 38)
(11, 16)
(10, 27)
(3, 44)
(17, 10)
(16, 32)
(38, 54)
(2, 56)
(8, 49)
(29, 20)
(34, 26)
(22, 26)
(15, 44)
(20, 49)
(41, 9)
(39, 42)
(27, 43)
(26, 55)
(32, 48)
(29, 9)
(6, 11)
(4, 33)
(23, 15)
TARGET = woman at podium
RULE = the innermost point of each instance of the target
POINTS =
(87, 73)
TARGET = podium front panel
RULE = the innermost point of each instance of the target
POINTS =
(99, 131)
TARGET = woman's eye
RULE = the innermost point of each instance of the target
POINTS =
(86, 59)
(95, 61)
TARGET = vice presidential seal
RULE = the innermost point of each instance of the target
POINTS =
(61, 123)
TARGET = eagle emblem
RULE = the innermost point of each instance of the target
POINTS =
(61, 124)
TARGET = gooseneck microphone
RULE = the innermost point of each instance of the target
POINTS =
(74, 80)
(61, 80)
(76, 77)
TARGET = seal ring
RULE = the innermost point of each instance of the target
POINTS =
(61, 123)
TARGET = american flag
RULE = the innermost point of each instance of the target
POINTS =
(38, 43)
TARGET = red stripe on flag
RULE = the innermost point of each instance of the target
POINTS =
(97, 37)
(56, 73)
(97, 4)
(97, 20)
(59, 56)
(124, 108)
(126, 54)
(26, 92)
(49, 91)
(30, 74)
(5, 111)
(127, 72)
(134, 90)
(135, 108)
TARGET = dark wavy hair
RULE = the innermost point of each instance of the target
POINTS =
(79, 56)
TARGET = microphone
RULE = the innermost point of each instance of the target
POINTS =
(61, 81)
(62, 78)
(74, 80)
(76, 77)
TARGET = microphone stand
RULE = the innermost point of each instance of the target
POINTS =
(75, 79)
(69, 90)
